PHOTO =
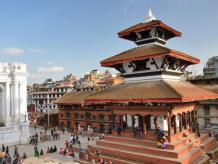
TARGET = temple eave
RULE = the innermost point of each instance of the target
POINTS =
(129, 56)
(145, 26)
(154, 100)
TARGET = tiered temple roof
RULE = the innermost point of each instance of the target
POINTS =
(165, 91)
(151, 71)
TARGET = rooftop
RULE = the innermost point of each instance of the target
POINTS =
(145, 26)
(72, 98)
(166, 91)
(146, 51)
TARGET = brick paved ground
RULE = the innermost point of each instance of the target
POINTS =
(54, 157)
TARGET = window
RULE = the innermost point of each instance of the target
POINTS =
(101, 117)
(207, 122)
(88, 116)
(94, 117)
(207, 110)
(110, 117)
(40, 101)
(81, 116)
(114, 116)
(68, 115)
(76, 116)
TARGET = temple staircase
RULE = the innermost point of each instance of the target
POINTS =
(184, 149)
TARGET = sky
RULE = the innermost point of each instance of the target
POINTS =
(58, 37)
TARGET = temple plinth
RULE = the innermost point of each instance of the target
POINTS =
(152, 98)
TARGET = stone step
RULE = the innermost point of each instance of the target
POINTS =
(213, 153)
(178, 143)
(201, 139)
(134, 156)
(82, 161)
(204, 159)
(179, 135)
(141, 142)
(138, 148)
(114, 160)
(183, 149)
(208, 144)
(191, 156)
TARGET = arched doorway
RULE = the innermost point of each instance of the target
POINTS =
(148, 122)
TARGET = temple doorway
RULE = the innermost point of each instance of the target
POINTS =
(148, 122)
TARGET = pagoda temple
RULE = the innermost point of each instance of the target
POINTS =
(153, 96)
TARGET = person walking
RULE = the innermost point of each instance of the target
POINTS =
(36, 152)
(3, 148)
(15, 151)
(7, 150)
(63, 130)
(52, 134)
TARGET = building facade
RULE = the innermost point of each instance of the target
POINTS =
(44, 99)
(43, 95)
(207, 111)
(13, 103)
(211, 68)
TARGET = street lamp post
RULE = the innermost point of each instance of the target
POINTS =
(48, 118)
(25, 115)
(48, 107)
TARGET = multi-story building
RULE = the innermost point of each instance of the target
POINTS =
(211, 68)
(43, 96)
(97, 80)
(207, 111)
(43, 100)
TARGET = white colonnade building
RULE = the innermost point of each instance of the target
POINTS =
(13, 103)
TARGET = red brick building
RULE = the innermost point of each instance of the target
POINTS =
(152, 96)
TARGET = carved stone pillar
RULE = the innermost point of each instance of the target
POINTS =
(174, 124)
(190, 119)
(169, 124)
(180, 122)
(185, 120)
(155, 123)
(133, 123)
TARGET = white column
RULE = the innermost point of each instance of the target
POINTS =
(8, 103)
(23, 100)
(14, 96)
(2, 108)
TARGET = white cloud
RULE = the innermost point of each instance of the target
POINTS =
(48, 63)
(12, 51)
(37, 51)
(54, 69)
(30, 75)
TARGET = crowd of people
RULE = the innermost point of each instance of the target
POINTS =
(98, 159)
(5, 157)
(34, 139)
(68, 148)
(55, 135)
